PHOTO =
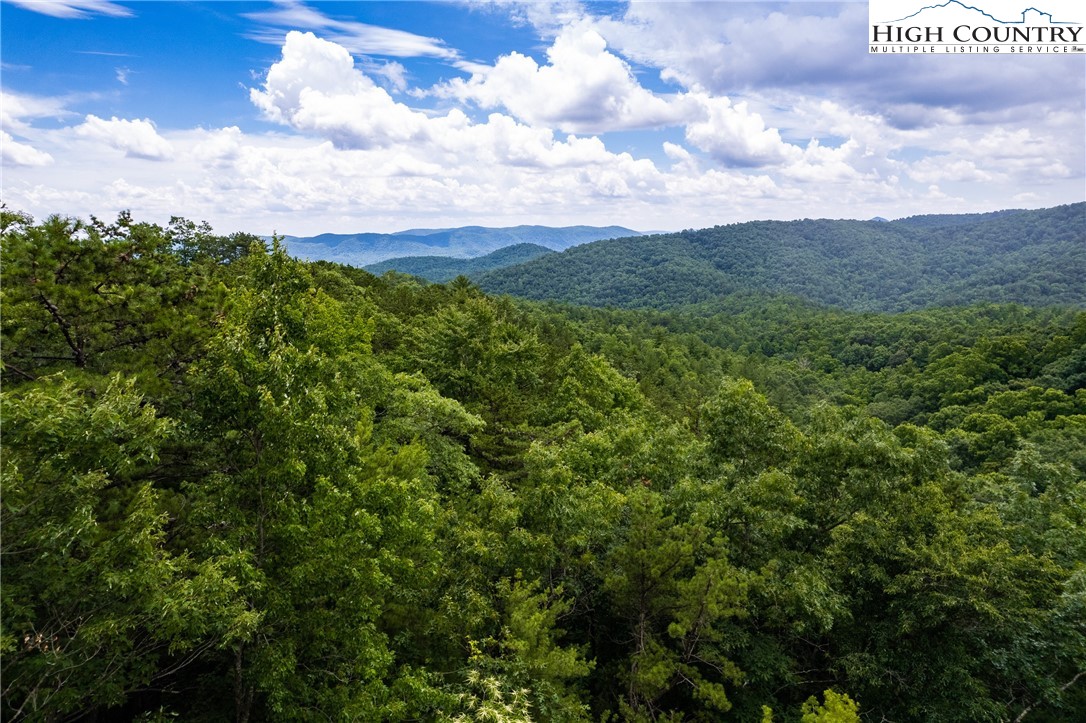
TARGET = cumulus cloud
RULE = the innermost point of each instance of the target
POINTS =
(1021, 152)
(820, 48)
(17, 113)
(734, 135)
(682, 161)
(137, 138)
(582, 87)
(938, 169)
(586, 87)
(349, 156)
(496, 173)
(21, 154)
(824, 165)
(1006, 143)
(315, 87)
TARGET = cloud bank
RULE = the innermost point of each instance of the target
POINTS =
(656, 115)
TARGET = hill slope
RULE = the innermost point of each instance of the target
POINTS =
(1031, 257)
(465, 242)
(440, 269)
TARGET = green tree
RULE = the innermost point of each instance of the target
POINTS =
(329, 526)
(744, 430)
(101, 297)
(836, 708)
(675, 594)
(95, 604)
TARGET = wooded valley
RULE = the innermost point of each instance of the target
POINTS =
(728, 485)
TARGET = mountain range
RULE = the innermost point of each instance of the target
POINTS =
(362, 249)
(1034, 257)
(440, 269)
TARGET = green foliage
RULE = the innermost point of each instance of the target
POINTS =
(106, 297)
(441, 269)
(240, 485)
(473, 351)
(837, 708)
(327, 520)
(527, 655)
(1032, 257)
(743, 428)
(95, 606)
(488, 701)
(674, 594)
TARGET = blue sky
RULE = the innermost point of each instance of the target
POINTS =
(310, 117)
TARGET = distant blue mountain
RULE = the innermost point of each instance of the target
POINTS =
(363, 249)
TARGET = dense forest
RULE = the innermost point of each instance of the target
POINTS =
(446, 268)
(237, 485)
(1027, 257)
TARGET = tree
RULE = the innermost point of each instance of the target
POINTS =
(744, 430)
(327, 526)
(103, 297)
(675, 594)
(837, 708)
(95, 604)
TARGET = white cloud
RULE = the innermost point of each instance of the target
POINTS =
(495, 173)
(819, 49)
(315, 87)
(356, 37)
(17, 111)
(549, 17)
(582, 87)
(17, 108)
(938, 169)
(349, 156)
(1022, 153)
(20, 154)
(393, 73)
(682, 162)
(822, 164)
(1004, 144)
(734, 135)
(137, 138)
(219, 147)
(76, 9)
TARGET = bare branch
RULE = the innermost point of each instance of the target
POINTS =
(1064, 687)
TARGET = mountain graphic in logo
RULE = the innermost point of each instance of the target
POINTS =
(1028, 16)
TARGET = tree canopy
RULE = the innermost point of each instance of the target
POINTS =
(239, 485)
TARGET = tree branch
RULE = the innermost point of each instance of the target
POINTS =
(65, 328)
(1064, 687)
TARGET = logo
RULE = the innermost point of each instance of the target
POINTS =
(994, 27)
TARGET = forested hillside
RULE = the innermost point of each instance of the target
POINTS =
(1028, 257)
(237, 485)
(444, 268)
(465, 242)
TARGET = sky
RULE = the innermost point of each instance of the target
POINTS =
(309, 117)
